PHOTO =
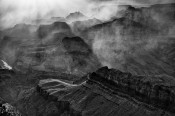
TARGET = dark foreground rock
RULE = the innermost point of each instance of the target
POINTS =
(158, 91)
(106, 92)
(8, 110)
(17, 90)
(110, 92)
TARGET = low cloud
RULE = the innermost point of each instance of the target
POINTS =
(20, 11)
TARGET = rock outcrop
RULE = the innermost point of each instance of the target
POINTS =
(17, 90)
(45, 30)
(112, 92)
(158, 91)
(75, 16)
(76, 44)
(8, 110)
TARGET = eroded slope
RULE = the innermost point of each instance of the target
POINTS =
(110, 92)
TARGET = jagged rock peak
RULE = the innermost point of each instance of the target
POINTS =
(75, 15)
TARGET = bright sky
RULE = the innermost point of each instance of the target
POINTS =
(20, 11)
(15, 11)
(42, 7)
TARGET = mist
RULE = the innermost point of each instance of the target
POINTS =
(20, 11)
(13, 12)
(116, 45)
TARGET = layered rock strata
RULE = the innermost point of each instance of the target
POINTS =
(110, 92)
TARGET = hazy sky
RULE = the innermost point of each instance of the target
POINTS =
(21, 11)
(140, 1)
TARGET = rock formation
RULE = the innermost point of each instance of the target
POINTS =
(45, 30)
(79, 26)
(8, 110)
(47, 48)
(140, 41)
(76, 16)
(112, 92)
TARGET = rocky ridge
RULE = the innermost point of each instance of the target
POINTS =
(111, 92)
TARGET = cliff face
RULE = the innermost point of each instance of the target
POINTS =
(79, 26)
(155, 90)
(112, 92)
(140, 41)
(45, 30)
(160, 16)
(18, 89)
(47, 48)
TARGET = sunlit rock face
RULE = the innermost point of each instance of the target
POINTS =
(141, 41)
